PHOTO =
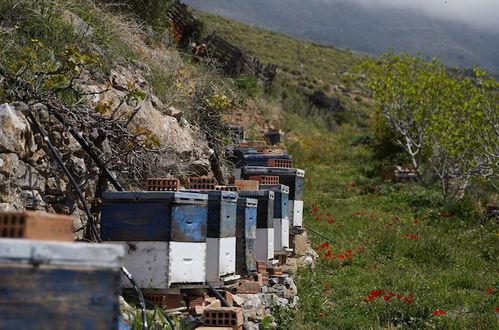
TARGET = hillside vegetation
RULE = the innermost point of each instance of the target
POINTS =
(399, 255)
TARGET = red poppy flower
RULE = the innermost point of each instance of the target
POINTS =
(396, 219)
(442, 213)
(382, 291)
(321, 315)
(371, 217)
(386, 297)
(379, 195)
(414, 236)
(374, 292)
(496, 308)
(367, 299)
(449, 214)
(490, 290)
(415, 221)
(360, 249)
(341, 256)
(388, 223)
(407, 235)
(328, 214)
(348, 256)
(318, 218)
(327, 285)
(441, 312)
(407, 300)
(392, 294)
(331, 221)
(353, 214)
(434, 312)
(349, 251)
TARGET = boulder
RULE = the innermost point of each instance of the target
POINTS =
(15, 130)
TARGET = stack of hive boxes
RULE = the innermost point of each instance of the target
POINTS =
(164, 234)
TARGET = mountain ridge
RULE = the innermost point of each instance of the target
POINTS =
(366, 30)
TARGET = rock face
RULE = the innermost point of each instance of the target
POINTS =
(31, 179)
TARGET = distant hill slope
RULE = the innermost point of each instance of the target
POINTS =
(346, 24)
(308, 64)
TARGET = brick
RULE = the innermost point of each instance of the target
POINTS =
(227, 188)
(227, 296)
(201, 186)
(223, 316)
(162, 184)
(266, 179)
(287, 163)
(202, 179)
(36, 225)
(193, 301)
(248, 287)
(167, 300)
(275, 271)
(247, 184)
(210, 302)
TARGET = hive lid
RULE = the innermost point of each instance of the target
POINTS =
(247, 202)
(258, 194)
(261, 170)
(60, 253)
(281, 188)
(216, 195)
(154, 196)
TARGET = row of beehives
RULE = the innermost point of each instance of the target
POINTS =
(196, 236)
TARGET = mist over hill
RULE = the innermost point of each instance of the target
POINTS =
(372, 29)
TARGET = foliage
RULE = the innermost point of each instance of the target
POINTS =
(152, 12)
(446, 121)
(448, 263)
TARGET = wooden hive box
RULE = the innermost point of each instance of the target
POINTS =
(246, 235)
(154, 216)
(59, 285)
(294, 178)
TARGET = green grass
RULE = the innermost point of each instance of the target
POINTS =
(448, 266)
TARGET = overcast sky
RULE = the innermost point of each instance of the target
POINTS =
(481, 13)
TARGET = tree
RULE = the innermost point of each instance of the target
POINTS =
(451, 119)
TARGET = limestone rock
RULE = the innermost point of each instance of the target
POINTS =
(15, 130)
(79, 25)
(32, 200)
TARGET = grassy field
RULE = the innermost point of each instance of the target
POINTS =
(399, 254)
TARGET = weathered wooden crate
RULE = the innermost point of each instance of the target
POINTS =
(154, 216)
(221, 212)
(296, 213)
(246, 235)
(162, 184)
(161, 265)
(36, 225)
(281, 199)
(220, 258)
(261, 159)
(265, 210)
(294, 178)
(59, 285)
(265, 244)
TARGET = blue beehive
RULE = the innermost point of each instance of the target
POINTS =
(59, 285)
(154, 216)
(294, 178)
(246, 235)
(261, 159)
(281, 199)
(222, 212)
(265, 209)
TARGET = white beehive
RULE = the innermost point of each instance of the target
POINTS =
(264, 244)
(158, 265)
(296, 213)
(220, 258)
(281, 234)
